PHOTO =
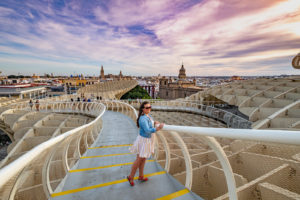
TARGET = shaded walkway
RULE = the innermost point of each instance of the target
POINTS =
(101, 172)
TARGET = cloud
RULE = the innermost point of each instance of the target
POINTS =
(6, 11)
(199, 35)
(151, 37)
(136, 12)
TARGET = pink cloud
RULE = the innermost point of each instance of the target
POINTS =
(213, 34)
(128, 13)
(198, 30)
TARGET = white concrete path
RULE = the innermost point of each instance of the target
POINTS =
(110, 183)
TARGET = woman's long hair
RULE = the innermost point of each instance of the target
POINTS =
(142, 106)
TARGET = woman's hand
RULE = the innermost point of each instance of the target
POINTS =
(161, 125)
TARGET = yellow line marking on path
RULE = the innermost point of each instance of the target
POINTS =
(109, 146)
(102, 167)
(101, 185)
(174, 195)
(99, 156)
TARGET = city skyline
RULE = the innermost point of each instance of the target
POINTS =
(211, 38)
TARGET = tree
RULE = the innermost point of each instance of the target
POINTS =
(11, 76)
(136, 93)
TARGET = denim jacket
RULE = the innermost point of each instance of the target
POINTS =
(146, 127)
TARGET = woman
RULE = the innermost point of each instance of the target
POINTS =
(30, 104)
(144, 143)
(37, 105)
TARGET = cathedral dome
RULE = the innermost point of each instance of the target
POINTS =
(182, 74)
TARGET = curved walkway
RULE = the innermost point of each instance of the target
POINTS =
(101, 172)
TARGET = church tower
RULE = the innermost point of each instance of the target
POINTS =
(102, 77)
(182, 73)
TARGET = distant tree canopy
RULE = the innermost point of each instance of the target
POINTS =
(11, 76)
(136, 93)
(15, 77)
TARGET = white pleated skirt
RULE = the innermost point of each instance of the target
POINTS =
(143, 146)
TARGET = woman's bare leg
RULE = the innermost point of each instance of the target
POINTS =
(141, 167)
(135, 165)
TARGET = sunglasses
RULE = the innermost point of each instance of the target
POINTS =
(148, 107)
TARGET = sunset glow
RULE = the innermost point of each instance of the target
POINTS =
(149, 37)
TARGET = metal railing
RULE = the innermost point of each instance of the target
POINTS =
(230, 119)
(208, 134)
(188, 163)
(177, 132)
(52, 159)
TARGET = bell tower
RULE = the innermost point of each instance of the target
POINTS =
(102, 77)
(182, 73)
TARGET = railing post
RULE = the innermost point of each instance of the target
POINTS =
(167, 150)
(187, 160)
(212, 142)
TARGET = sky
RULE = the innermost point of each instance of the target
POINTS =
(149, 37)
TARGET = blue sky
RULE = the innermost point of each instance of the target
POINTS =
(148, 37)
